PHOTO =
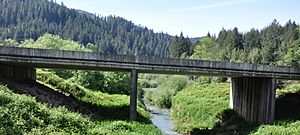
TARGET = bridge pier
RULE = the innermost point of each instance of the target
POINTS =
(253, 98)
(133, 95)
(17, 73)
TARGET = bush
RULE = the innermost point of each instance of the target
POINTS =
(108, 82)
(198, 106)
(148, 96)
(20, 114)
(167, 89)
(117, 82)
(60, 84)
(149, 80)
(94, 80)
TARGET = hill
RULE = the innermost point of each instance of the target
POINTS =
(43, 108)
(24, 19)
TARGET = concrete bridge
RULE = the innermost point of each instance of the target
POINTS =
(252, 92)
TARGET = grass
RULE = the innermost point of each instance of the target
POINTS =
(197, 106)
(105, 104)
(166, 90)
(203, 109)
(22, 114)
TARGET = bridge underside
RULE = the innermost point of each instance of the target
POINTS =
(18, 73)
(252, 98)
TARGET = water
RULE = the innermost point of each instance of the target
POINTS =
(161, 119)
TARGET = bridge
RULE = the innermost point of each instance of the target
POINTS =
(252, 91)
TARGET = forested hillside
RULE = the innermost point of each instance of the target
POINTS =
(24, 19)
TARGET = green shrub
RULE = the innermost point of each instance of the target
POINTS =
(91, 79)
(163, 97)
(105, 100)
(168, 88)
(60, 84)
(279, 128)
(20, 114)
(148, 96)
(108, 82)
(198, 106)
(149, 80)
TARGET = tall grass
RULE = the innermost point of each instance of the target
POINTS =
(166, 90)
(203, 109)
(21, 114)
(197, 106)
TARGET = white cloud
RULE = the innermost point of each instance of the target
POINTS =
(214, 5)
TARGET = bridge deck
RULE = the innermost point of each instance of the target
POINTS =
(46, 58)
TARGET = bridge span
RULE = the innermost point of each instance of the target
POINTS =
(252, 85)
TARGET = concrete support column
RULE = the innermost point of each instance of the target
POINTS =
(253, 98)
(17, 73)
(133, 95)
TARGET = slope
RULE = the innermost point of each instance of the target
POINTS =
(65, 112)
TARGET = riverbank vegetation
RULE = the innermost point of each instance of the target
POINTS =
(166, 89)
(108, 113)
(204, 109)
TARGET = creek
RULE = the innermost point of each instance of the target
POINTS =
(161, 119)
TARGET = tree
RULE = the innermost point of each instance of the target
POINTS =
(20, 21)
(94, 80)
(207, 49)
(292, 58)
(49, 41)
(252, 40)
(181, 47)
(271, 40)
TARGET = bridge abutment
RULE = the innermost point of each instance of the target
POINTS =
(17, 73)
(253, 98)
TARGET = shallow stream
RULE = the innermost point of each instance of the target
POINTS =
(161, 119)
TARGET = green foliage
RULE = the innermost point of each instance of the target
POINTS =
(148, 96)
(254, 56)
(113, 101)
(166, 90)
(271, 41)
(148, 80)
(198, 106)
(20, 114)
(49, 41)
(181, 48)
(279, 128)
(207, 49)
(9, 42)
(91, 79)
(108, 82)
(292, 58)
(20, 20)
(60, 84)
(275, 44)
(117, 82)
(203, 109)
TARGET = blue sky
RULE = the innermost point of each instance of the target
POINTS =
(194, 17)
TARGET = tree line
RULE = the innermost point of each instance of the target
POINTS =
(274, 45)
(30, 19)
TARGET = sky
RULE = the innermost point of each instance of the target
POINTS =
(195, 18)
